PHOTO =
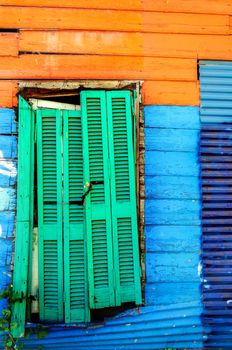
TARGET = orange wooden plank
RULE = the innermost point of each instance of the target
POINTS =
(97, 67)
(55, 18)
(181, 93)
(8, 44)
(132, 44)
(189, 6)
(8, 91)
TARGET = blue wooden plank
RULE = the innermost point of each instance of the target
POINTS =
(7, 121)
(8, 198)
(7, 223)
(169, 293)
(173, 238)
(8, 171)
(171, 163)
(8, 147)
(172, 267)
(165, 187)
(172, 116)
(172, 212)
(5, 253)
(171, 140)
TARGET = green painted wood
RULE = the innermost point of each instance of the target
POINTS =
(97, 205)
(50, 240)
(123, 197)
(75, 264)
(24, 221)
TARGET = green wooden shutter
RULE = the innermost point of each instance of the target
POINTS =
(123, 197)
(50, 245)
(25, 200)
(75, 266)
(97, 206)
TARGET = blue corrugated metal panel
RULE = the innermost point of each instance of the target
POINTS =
(216, 172)
(8, 154)
(143, 328)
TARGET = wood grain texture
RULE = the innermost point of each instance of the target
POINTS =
(189, 6)
(59, 18)
(97, 67)
(8, 91)
(171, 93)
(8, 44)
(127, 44)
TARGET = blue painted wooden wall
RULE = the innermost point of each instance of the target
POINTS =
(8, 168)
(171, 316)
(172, 206)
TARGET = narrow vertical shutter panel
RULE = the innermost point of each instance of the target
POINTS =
(25, 205)
(97, 206)
(50, 243)
(123, 197)
(75, 266)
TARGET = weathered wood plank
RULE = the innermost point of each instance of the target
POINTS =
(7, 220)
(172, 212)
(172, 267)
(132, 44)
(88, 19)
(172, 139)
(8, 147)
(97, 67)
(178, 117)
(8, 170)
(178, 187)
(7, 120)
(8, 199)
(173, 238)
(168, 294)
(171, 163)
(8, 97)
(9, 44)
(180, 93)
(190, 6)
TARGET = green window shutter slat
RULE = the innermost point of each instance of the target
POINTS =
(24, 221)
(75, 265)
(123, 197)
(50, 245)
(97, 204)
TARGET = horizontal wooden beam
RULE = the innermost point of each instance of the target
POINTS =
(97, 67)
(8, 44)
(180, 93)
(131, 44)
(8, 91)
(88, 19)
(189, 6)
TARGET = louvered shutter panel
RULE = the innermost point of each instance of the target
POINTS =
(123, 197)
(97, 205)
(75, 267)
(50, 245)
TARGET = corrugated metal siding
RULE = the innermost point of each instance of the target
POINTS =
(216, 173)
(138, 329)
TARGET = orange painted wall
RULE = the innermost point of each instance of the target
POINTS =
(158, 42)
